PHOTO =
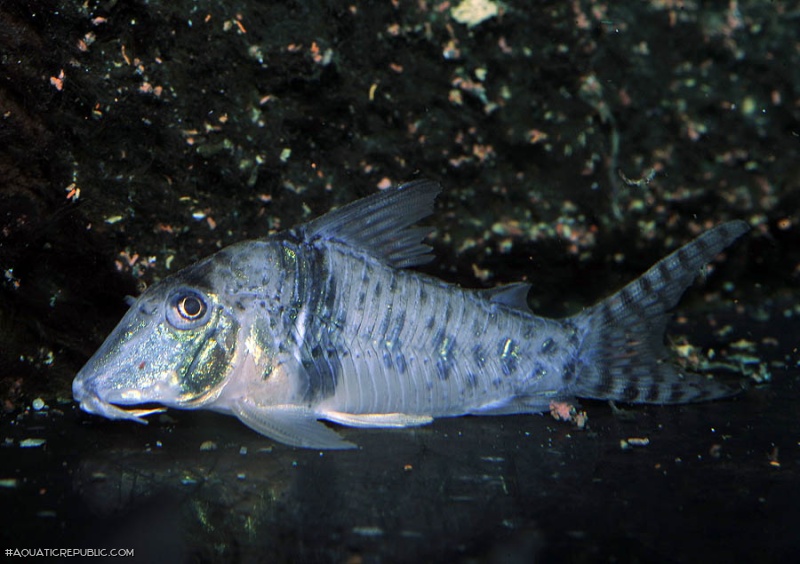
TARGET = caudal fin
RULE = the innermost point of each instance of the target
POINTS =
(623, 355)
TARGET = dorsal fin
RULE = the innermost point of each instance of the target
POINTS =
(381, 224)
(513, 295)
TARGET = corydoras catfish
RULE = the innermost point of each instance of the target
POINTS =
(326, 322)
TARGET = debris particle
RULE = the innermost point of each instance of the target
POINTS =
(31, 443)
(473, 12)
(38, 404)
(743, 345)
(368, 531)
(625, 444)
(208, 445)
(565, 411)
(773, 458)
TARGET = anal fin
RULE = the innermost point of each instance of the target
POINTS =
(377, 419)
(289, 424)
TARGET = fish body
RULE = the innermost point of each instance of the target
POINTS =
(325, 322)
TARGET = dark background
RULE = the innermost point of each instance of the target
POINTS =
(578, 142)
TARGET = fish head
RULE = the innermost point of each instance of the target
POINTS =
(174, 347)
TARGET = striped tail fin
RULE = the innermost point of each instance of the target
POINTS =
(623, 355)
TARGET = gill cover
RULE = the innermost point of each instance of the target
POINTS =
(208, 336)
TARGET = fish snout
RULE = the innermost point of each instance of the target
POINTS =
(79, 388)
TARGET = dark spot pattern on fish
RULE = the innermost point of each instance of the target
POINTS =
(572, 332)
(328, 305)
(509, 356)
(369, 271)
(472, 380)
(400, 363)
(568, 372)
(653, 392)
(308, 319)
(322, 371)
(538, 373)
(383, 330)
(479, 356)
(392, 338)
(605, 383)
(676, 392)
(478, 328)
(631, 391)
(199, 275)
(549, 347)
(444, 346)
(442, 370)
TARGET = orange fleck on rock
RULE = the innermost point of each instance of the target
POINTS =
(240, 25)
(773, 458)
(58, 81)
(315, 52)
(624, 97)
(535, 136)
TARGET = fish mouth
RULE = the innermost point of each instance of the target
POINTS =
(97, 406)
(91, 402)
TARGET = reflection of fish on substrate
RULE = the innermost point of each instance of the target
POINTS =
(325, 322)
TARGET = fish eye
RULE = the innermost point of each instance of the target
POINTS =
(190, 307)
(187, 309)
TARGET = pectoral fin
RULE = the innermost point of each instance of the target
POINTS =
(288, 424)
(377, 419)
